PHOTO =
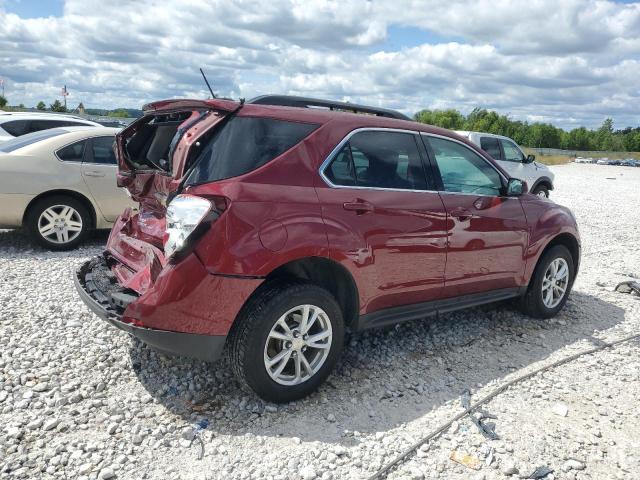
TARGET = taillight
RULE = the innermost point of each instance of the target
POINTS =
(188, 216)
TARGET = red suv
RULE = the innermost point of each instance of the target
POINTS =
(266, 228)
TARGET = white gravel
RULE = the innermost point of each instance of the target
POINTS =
(81, 400)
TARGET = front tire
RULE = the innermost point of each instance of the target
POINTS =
(541, 191)
(286, 340)
(550, 284)
(58, 222)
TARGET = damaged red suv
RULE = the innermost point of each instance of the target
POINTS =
(267, 228)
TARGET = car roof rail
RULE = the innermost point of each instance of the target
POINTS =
(307, 102)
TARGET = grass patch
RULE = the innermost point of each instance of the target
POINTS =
(563, 159)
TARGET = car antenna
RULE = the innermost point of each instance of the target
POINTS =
(213, 95)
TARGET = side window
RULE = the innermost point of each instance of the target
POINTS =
(243, 144)
(511, 152)
(37, 125)
(341, 170)
(463, 170)
(491, 146)
(102, 151)
(379, 159)
(73, 152)
(16, 127)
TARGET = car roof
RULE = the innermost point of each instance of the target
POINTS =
(468, 133)
(6, 116)
(318, 115)
(59, 136)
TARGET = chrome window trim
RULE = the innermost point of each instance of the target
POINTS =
(342, 143)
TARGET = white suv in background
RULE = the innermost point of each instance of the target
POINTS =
(508, 154)
(16, 124)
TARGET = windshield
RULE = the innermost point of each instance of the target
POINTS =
(30, 138)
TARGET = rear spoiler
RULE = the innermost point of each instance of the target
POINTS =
(190, 104)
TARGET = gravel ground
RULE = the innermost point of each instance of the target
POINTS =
(79, 399)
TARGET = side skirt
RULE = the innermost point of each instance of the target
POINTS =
(404, 313)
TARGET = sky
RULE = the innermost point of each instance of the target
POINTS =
(567, 62)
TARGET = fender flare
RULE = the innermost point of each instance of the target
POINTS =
(540, 180)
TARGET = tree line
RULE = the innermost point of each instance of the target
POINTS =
(540, 135)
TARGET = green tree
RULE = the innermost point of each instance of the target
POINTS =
(41, 105)
(604, 135)
(3, 102)
(542, 135)
(57, 107)
(119, 113)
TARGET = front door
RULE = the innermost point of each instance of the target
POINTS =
(487, 232)
(99, 173)
(384, 220)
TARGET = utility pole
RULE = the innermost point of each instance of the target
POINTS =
(65, 94)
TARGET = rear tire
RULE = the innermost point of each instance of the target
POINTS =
(271, 326)
(543, 299)
(58, 222)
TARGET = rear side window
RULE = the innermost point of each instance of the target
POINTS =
(102, 151)
(491, 146)
(379, 159)
(73, 152)
(244, 144)
(16, 127)
(29, 139)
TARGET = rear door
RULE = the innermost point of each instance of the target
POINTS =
(99, 174)
(487, 232)
(384, 220)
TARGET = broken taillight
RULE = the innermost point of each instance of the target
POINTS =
(187, 218)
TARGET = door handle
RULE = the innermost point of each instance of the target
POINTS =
(93, 173)
(461, 214)
(358, 206)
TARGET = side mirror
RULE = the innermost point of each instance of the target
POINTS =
(515, 187)
(530, 159)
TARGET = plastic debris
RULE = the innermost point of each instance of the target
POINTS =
(540, 472)
(560, 409)
(465, 459)
(628, 287)
(486, 429)
(198, 428)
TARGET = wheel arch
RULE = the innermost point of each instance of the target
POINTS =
(325, 273)
(70, 193)
(569, 241)
(546, 181)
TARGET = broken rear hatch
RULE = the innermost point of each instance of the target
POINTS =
(154, 154)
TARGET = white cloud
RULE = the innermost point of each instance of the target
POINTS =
(571, 62)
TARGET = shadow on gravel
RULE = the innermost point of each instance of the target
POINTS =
(17, 242)
(385, 378)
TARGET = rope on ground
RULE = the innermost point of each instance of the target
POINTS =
(386, 469)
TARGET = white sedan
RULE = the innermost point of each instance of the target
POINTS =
(60, 184)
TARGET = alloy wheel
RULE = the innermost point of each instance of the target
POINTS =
(60, 224)
(298, 345)
(555, 282)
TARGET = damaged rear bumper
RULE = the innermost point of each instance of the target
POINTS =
(110, 305)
